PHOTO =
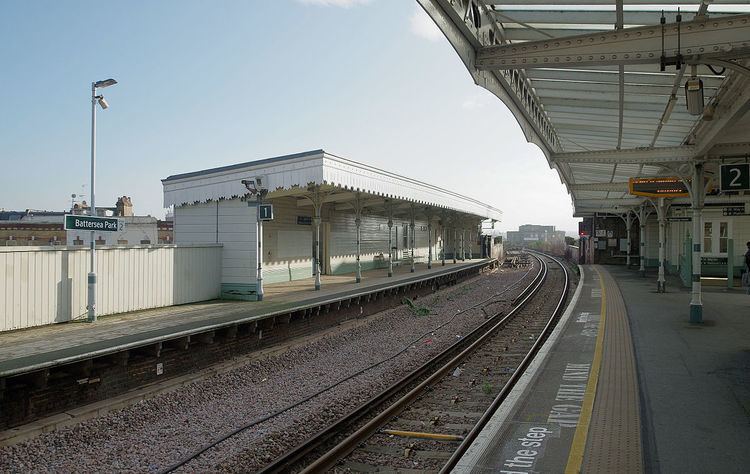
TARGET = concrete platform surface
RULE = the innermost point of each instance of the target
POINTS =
(56, 344)
(694, 379)
(627, 384)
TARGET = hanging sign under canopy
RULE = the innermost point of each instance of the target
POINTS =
(665, 186)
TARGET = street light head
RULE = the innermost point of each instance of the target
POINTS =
(104, 83)
(102, 102)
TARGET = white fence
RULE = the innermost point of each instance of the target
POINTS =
(45, 285)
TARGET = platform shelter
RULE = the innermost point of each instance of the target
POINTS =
(614, 91)
(328, 216)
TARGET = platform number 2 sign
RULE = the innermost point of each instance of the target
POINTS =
(735, 177)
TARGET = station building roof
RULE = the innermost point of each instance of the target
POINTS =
(584, 80)
(293, 175)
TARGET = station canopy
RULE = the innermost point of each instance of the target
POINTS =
(335, 180)
(600, 85)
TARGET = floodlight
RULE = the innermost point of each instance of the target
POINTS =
(694, 96)
(104, 83)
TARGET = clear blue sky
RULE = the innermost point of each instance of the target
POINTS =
(204, 84)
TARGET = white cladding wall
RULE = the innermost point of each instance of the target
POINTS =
(48, 285)
(287, 245)
(229, 222)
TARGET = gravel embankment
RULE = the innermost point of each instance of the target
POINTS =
(153, 434)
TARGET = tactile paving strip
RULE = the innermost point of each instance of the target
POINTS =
(614, 438)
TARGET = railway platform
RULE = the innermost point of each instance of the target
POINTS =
(47, 346)
(627, 384)
(48, 371)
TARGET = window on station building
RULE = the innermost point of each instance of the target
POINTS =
(707, 236)
(716, 235)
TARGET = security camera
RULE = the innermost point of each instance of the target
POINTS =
(102, 102)
(250, 185)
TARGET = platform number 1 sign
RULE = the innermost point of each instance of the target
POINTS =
(735, 177)
(265, 212)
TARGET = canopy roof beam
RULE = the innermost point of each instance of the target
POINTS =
(717, 38)
(613, 186)
(670, 154)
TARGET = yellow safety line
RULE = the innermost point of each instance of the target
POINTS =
(575, 458)
(417, 434)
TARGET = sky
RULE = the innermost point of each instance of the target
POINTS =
(205, 84)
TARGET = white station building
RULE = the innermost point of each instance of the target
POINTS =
(346, 216)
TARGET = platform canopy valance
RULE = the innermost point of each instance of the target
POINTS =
(342, 179)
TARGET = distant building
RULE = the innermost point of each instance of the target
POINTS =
(530, 233)
(45, 228)
(32, 227)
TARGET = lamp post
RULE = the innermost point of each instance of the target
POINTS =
(92, 270)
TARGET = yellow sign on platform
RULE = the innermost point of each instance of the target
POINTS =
(667, 186)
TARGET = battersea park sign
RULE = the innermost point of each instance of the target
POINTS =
(98, 224)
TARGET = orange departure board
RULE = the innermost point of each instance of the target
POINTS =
(666, 187)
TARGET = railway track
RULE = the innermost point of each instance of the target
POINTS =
(250, 444)
(432, 415)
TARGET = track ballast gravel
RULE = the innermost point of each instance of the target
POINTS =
(155, 433)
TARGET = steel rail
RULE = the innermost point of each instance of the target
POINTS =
(487, 415)
(349, 444)
(292, 457)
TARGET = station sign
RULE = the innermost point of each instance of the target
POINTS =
(738, 210)
(666, 187)
(265, 212)
(98, 224)
(735, 177)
